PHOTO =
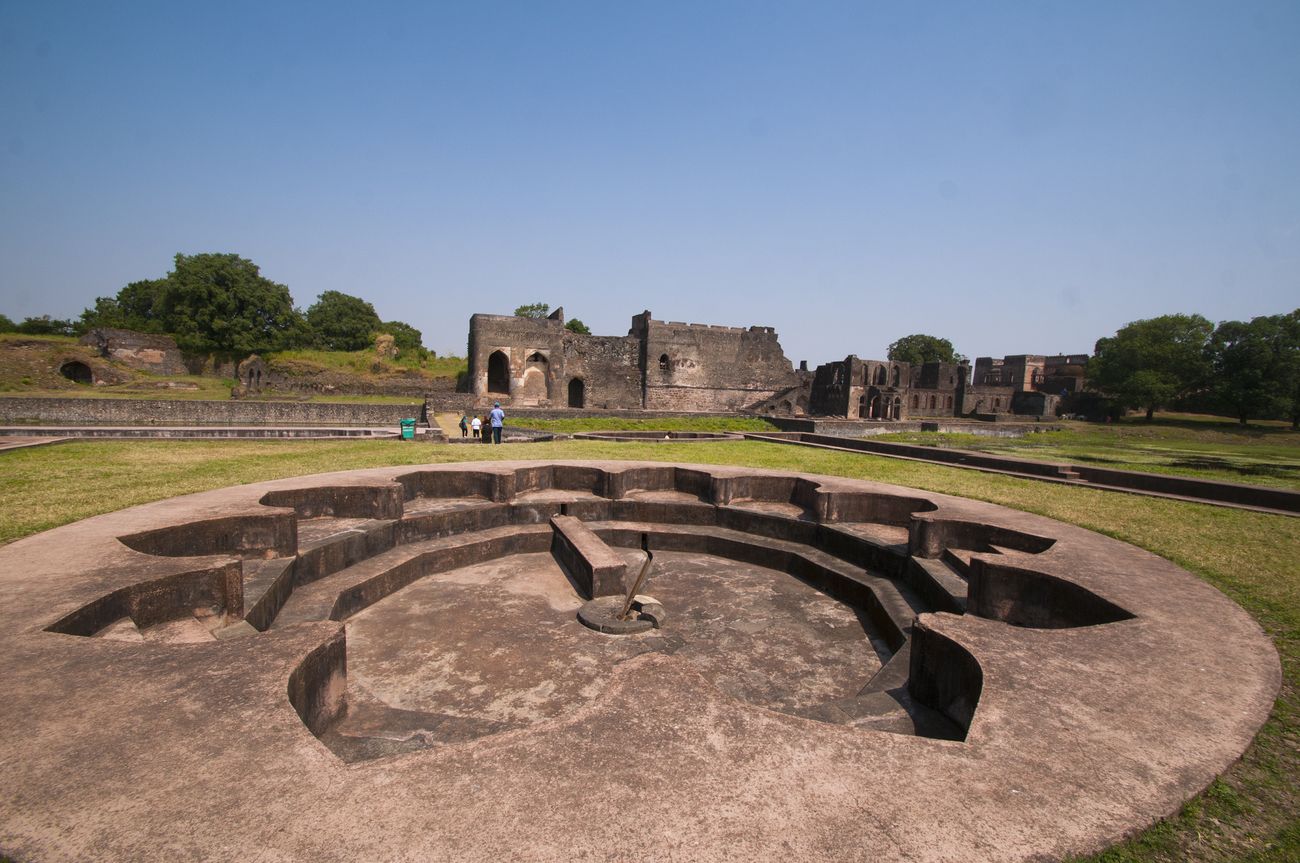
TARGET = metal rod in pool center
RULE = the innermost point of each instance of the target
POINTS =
(636, 585)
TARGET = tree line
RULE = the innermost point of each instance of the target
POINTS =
(221, 303)
(1243, 369)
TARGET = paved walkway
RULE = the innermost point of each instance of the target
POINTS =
(449, 423)
(25, 442)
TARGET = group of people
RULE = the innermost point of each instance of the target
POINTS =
(486, 428)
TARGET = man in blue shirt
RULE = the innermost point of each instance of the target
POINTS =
(497, 418)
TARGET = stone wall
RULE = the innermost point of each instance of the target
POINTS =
(608, 368)
(712, 368)
(144, 351)
(85, 411)
(658, 366)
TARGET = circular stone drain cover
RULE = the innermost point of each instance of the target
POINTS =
(601, 614)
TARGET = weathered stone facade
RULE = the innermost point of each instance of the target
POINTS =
(672, 366)
(860, 389)
(884, 390)
(144, 351)
(656, 366)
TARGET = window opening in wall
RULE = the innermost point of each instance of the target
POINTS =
(916, 402)
(895, 375)
(898, 408)
(880, 376)
(997, 403)
(663, 363)
(949, 401)
(536, 358)
(577, 393)
(498, 373)
(931, 402)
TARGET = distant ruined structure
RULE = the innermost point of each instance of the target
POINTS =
(656, 366)
(672, 366)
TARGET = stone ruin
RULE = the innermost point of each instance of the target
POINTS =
(387, 664)
(146, 352)
(673, 366)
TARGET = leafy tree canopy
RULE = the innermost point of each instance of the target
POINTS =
(920, 348)
(342, 322)
(574, 325)
(208, 302)
(221, 302)
(1152, 362)
(136, 307)
(7, 325)
(405, 336)
(1257, 367)
(534, 310)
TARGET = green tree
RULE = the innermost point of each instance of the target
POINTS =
(138, 306)
(46, 326)
(1257, 367)
(342, 322)
(1290, 366)
(575, 325)
(405, 336)
(920, 348)
(221, 302)
(7, 325)
(534, 310)
(1152, 362)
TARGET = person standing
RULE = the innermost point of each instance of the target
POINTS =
(498, 419)
(464, 425)
(476, 425)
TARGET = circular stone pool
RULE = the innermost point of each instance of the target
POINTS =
(387, 664)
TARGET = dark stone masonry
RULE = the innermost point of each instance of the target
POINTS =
(672, 366)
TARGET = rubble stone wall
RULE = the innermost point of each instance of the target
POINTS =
(85, 411)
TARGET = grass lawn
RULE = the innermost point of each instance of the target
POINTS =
(365, 363)
(1252, 813)
(143, 386)
(1211, 448)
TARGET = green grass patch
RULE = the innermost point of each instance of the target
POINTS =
(1259, 455)
(364, 363)
(1251, 813)
(144, 386)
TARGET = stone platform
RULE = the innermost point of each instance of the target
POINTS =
(386, 665)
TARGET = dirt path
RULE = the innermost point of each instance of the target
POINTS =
(449, 423)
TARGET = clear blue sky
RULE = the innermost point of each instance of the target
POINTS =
(1019, 178)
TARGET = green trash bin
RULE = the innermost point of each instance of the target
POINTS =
(408, 429)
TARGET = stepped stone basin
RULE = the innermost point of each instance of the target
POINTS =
(387, 665)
